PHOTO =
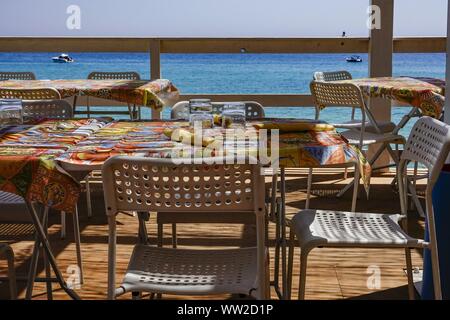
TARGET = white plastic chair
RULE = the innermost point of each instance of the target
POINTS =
(385, 126)
(10, 75)
(8, 253)
(29, 94)
(329, 94)
(48, 109)
(133, 112)
(428, 144)
(253, 110)
(160, 185)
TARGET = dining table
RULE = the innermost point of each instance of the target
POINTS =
(148, 93)
(425, 95)
(42, 162)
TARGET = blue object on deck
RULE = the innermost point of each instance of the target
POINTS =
(441, 205)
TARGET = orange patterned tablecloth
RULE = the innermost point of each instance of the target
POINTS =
(427, 94)
(152, 94)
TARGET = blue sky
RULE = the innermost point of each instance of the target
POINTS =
(216, 18)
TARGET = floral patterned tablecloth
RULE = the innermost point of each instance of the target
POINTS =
(427, 94)
(27, 161)
(152, 94)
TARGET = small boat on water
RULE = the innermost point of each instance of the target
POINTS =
(63, 58)
(354, 59)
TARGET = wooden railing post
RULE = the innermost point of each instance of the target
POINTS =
(380, 63)
(155, 67)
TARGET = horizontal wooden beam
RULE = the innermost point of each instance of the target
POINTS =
(214, 45)
(289, 45)
(420, 45)
(278, 100)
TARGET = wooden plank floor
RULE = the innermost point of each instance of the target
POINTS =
(332, 273)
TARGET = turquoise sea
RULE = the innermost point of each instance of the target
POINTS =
(229, 73)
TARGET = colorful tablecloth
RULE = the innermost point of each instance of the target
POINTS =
(427, 94)
(296, 149)
(27, 161)
(152, 94)
(31, 158)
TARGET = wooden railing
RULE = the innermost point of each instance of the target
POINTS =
(156, 47)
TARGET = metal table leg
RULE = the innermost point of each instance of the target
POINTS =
(282, 224)
(46, 245)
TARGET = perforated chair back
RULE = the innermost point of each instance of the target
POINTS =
(162, 185)
(6, 75)
(30, 94)
(332, 75)
(49, 109)
(253, 110)
(208, 185)
(336, 94)
(428, 144)
(124, 75)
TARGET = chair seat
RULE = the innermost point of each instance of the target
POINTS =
(316, 228)
(385, 126)
(191, 272)
(13, 208)
(353, 136)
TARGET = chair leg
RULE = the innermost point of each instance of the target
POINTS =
(9, 254)
(76, 232)
(33, 269)
(290, 264)
(88, 196)
(160, 234)
(345, 173)
(63, 225)
(409, 273)
(308, 188)
(355, 188)
(302, 280)
(174, 235)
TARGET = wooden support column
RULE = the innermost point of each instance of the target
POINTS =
(380, 63)
(155, 67)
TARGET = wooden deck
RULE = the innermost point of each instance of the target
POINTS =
(332, 273)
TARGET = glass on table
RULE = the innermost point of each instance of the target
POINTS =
(233, 115)
(11, 111)
(200, 106)
(201, 119)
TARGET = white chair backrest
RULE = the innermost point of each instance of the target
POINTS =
(428, 144)
(30, 94)
(336, 94)
(145, 184)
(49, 109)
(253, 110)
(125, 75)
(332, 75)
(7, 75)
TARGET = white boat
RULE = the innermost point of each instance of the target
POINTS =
(354, 59)
(63, 58)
